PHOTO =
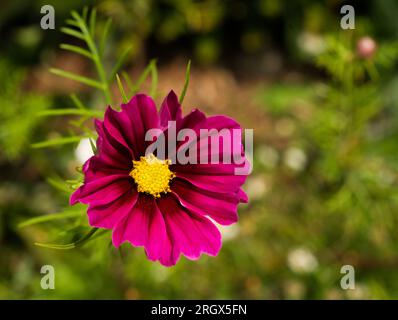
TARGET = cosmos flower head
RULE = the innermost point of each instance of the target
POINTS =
(152, 199)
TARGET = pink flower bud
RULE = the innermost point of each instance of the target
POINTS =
(366, 47)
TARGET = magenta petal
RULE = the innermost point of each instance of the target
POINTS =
(144, 226)
(115, 124)
(220, 169)
(220, 207)
(243, 196)
(110, 150)
(108, 215)
(95, 168)
(102, 190)
(130, 125)
(215, 183)
(170, 109)
(140, 116)
(192, 234)
(136, 226)
(233, 153)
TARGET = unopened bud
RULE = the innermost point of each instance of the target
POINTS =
(366, 47)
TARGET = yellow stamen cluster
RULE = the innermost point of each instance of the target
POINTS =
(152, 175)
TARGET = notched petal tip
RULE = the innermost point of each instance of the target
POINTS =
(141, 99)
(243, 197)
(74, 198)
(170, 109)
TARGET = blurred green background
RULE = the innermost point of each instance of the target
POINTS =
(324, 109)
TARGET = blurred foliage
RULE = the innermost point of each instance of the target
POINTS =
(323, 191)
(19, 112)
(340, 185)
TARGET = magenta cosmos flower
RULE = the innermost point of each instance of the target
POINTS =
(164, 207)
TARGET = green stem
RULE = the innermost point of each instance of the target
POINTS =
(96, 58)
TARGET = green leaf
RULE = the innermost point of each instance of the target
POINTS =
(73, 33)
(57, 141)
(121, 89)
(77, 102)
(76, 77)
(104, 86)
(59, 184)
(93, 146)
(64, 112)
(129, 83)
(154, 76)
(72, 22)
(134, 88)
(50, 217)
(79, 18)
(104, 36)
(75, 244)
(77, 50)
(93, 18)
(84, 13)
(187, 76)
(122, 59)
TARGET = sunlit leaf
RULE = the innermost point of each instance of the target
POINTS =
(72, 32)
(88, 236)
(122, 59)
(78, 78)
(154, 76)
(77, 102)
(186, 83)
(51, 217)
(57, 141)
(64, 112)
(77, 50)
(121, 89)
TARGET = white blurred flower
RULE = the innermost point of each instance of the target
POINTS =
(229, 232)
(311, 43)
(295, 159)
(256, 187)
(301, 260)
(268, 156)
(84, 151)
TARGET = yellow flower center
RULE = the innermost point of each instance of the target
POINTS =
(152, 175)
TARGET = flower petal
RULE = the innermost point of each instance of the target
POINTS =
(114, 124)
(142, 115)
(109, 214)
(144, 226)
(103, 190)
(215, 183)
(170, 109)
(130, 125)
(111, 152)
(243, 196)
(190, 233)
(220, 207)
(218, 177)
(96, 167)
